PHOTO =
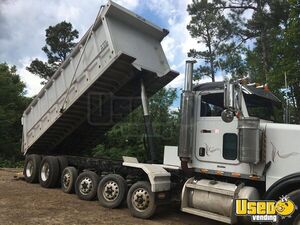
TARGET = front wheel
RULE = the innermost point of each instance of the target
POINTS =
(141, 200)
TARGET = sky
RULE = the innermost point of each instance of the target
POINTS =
(23, 24)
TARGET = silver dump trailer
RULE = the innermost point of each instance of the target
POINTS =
(98, 84)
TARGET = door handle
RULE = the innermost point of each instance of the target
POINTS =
(201, 151)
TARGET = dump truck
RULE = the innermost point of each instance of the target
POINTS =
(235, 163)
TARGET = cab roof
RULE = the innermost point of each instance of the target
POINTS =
(249, 90)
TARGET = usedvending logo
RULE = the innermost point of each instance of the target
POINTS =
(265, 211)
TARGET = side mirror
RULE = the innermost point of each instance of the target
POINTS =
(227, 115)
(229, 96)
(232, 101)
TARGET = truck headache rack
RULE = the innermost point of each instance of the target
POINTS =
(77, 107)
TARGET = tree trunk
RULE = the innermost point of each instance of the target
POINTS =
(265, 54)
(212, 69)
(211, 62)
(263, 40)
(211, 59)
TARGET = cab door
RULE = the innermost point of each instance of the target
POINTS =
(215, 141)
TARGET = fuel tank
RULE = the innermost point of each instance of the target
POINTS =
(214, 199)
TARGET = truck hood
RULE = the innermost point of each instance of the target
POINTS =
(281, 147)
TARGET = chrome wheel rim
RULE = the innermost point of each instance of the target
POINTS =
(140, 199)
(66, 180)
(86, 186)
(45, 171)
(29, 168)
(110, 191)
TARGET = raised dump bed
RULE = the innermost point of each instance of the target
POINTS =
(76, 107)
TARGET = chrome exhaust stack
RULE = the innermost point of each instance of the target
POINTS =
(188, 79)
(187, 117)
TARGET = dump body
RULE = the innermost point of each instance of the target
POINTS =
(74, 110)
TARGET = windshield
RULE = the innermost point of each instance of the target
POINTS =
(262, 108)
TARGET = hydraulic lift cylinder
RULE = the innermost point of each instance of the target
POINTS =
(151, 148)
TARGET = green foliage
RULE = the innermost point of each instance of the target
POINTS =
(127, 137)
(42, 69)
(165, 122)
(12, 105)
(283, 54)
(210, 27)
(286, 55)
(232, 61)
(59, 43)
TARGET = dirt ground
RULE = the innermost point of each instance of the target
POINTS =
(23, 203)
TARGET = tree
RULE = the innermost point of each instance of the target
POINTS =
(210, 27)
(233, 60)
(256, 27)
(59, 43)
(285, 54)
(42, 69)
(228, 18)
(255, 20)
(12, 104)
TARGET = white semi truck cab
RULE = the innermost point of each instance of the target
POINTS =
(231, 143)
(231, 153)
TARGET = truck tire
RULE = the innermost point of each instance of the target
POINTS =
(49, 172)
(31, 168)
(141, 200)
(68, 179)
(112, 190)
(86, 185)
(294, 219)
(63, 163)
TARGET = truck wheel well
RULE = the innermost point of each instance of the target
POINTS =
(139, 173)
(283, 186)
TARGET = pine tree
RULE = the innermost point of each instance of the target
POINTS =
(59, 43)
(210, 27)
